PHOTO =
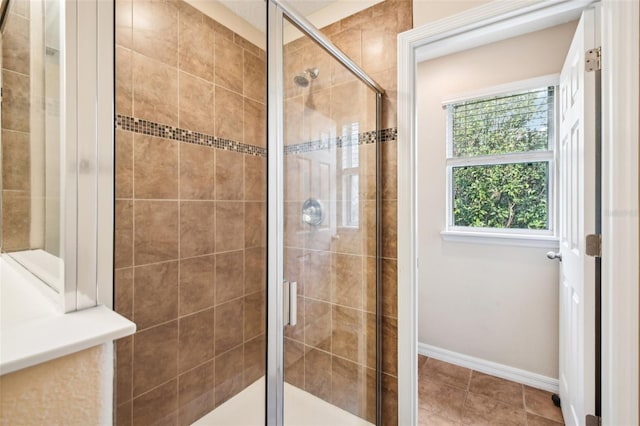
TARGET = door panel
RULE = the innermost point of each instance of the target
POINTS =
(577, 219)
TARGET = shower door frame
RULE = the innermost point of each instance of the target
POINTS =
(276, 13)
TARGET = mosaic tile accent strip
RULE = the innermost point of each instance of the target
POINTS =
(386, 135)
(145, 127)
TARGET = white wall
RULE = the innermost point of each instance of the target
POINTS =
(497, 303)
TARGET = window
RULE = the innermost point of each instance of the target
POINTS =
(500, 163)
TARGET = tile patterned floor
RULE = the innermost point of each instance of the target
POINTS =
(452, 395)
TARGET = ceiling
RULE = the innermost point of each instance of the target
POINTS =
(253, 11)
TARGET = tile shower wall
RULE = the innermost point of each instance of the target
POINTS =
(331, 352)
(16, 171)
(190, 212)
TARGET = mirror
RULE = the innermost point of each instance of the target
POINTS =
(32, 218)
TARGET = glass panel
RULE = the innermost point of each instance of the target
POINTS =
(330, 175)
(502, 196)
(503, 124)
(31, 143)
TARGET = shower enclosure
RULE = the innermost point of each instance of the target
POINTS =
(247, 217)
(323, 290)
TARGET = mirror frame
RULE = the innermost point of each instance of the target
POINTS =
(88, 153)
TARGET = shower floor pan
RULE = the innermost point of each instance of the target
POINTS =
(300, 409)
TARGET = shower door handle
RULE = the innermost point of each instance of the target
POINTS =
(290, 296)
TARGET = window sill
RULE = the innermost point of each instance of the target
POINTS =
(519, 240)
(33, 330)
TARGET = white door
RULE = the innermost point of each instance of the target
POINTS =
(576, 163)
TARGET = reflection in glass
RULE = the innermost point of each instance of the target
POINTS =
(31, 142)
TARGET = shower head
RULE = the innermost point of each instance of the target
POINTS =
(303, 79)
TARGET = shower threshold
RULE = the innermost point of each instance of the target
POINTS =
(301, 409)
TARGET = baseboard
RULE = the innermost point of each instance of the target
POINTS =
(488, 367)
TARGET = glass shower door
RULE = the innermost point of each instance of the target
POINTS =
(323, 267)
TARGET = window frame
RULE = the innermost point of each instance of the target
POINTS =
(510, 236)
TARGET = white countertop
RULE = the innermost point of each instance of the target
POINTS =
(33, 329)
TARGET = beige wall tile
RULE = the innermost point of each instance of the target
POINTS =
(196, 43)
(155, 91)
(228, 376)
(255, 224)
(348, 385)
(123, 414)
(348, 334)
(255, 73)
(317, 274)
(123, 283)
(293, 114)
(196, 172)
(390, 287)
(254, 315)
(254, 270)
(155, 357)
(15, 101)
(228, 326)
(124, 23)
(389, 171)
(246, 44)
(123, 234)
(390, 345)
(229, 225)
(389, 400)
(228, 64)
(156, 167)
(350, 41)
(294, 363)
(255, 178)
(229, 114)
(229, 276)
(196, 104)
(389, 229)
(347, 280)
(254, 360)
(160, 406)
(317, 324)
(318, 373)
(197, 284)
(15, 44)
(370, 284)
(229, 175)
(317, 122)
(255, 123)
(155, 294)
(155, 29)
(124, 164)
(195, 339)
(346, 104)
(156, 231)
(197, 228)
(124, 365)
(16, 164)
(124, 81)
(195, 393)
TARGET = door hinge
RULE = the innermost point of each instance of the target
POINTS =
(593, 245)
(592, 59)
(592, 420)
